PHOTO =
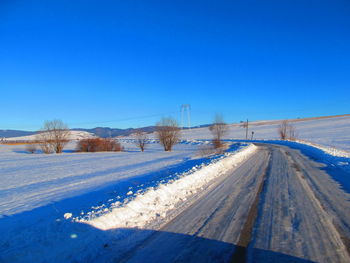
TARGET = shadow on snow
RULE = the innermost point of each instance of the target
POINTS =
(77, 242)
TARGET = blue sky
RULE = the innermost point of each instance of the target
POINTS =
(128, 63)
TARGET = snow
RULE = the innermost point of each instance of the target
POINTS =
(303, 212)
(328, 132)
(58, 192)
(329, 150)
(65, 207)
(154, 203)
(42, 179)
(336, 162)
(74, 135)
(67, 215)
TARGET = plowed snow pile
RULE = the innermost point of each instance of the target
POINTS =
(156, 202)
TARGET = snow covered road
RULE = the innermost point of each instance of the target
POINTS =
(278, 206)
(303, 212)
(218, 214)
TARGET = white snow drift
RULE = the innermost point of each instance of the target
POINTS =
(157, 202)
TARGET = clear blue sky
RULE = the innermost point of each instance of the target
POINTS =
(127, 63)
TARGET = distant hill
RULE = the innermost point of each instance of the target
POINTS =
(74, 135)
(14, 133)
(105, 132)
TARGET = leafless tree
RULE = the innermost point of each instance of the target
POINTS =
(292, 134)
(141, 139)
(218, 130)
(53, 136)
(286, 130)
(282, 130)
(168, 133)
(43, 139)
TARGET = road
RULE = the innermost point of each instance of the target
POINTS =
(277, 206)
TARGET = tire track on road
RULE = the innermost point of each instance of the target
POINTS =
(240, 254)
(324, 215)
(292, 220)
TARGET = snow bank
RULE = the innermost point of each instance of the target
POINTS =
(329, 150)
(155, 203)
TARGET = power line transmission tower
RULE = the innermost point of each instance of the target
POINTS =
(186, 108)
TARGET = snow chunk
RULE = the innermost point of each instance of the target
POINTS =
(67, 215)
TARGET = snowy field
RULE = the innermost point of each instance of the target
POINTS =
(330, 132)
(74, 135)
(45, 198)
(66, 207)
(42, 179)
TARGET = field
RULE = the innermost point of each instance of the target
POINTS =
(52, 206)
(329, 132)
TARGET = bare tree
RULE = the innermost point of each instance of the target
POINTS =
(43, 139)
(218, 130)
(141, 139)
(168, 133)
(291, 132)
(286, 130)
(53, 136)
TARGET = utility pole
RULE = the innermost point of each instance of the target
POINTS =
(187, 108)
(246, 130)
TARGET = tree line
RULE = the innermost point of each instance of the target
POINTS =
(54, 136)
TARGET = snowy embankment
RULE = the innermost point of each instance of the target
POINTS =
(329, 150)
(155, 203)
